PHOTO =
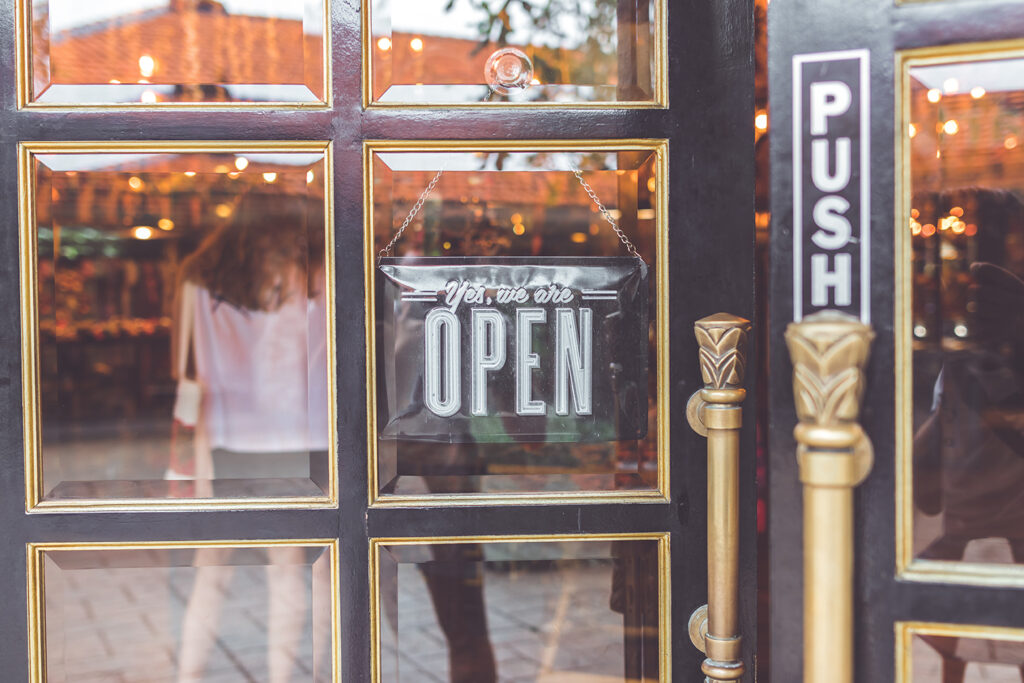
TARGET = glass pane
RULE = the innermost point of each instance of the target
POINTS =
(182, 325)
(536, 51)
(938, 659)
(967, 236)
(152, 51)
(503, 222)
(520, 611)
(188, 614)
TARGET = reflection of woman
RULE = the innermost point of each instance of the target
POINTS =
(259, 345)
(969, 453)
(259, 341)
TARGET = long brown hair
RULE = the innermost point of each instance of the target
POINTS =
(255, 260)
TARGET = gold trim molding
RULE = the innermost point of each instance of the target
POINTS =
(659, 148)
(23, 67)
(906, 630)
(36, 589)
(660, 100)
(28, 260)
(664, 583)
(907, 566)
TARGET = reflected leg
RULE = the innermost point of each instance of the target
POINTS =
(953, 670)
(635, 596)
(202, 615)
(287, 591)
(322, 635)
(455, 581)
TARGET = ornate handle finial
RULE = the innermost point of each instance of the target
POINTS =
(829, 350)
(723, 349)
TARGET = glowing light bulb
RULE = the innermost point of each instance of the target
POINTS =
(270, 177)
(977, 92)
(135, 183)
(148, 97)
(142, 232)
(951, 127)
(147, 65)
(165, 224)
(950, 86)
(934, 95)
(761, 121)
(416, 44)
(310, 177)
(384, 44)
(912, 130)
(241, 163)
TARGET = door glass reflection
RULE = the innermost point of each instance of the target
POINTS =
(188, 615)
(182, 306)
(527, 207)
(518, 51)
(520, 611)
(947, 659)
(153, 51)
(967, 235)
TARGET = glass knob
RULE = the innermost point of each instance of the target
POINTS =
(508, 69)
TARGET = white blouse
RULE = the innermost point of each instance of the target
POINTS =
(263, 374)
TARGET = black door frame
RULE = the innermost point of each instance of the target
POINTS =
(710, 129)
(881, 599)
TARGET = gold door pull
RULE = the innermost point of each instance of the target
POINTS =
(829, 350)
(715, 412)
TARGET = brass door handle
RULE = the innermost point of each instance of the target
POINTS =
(829, 350)
(715, 412)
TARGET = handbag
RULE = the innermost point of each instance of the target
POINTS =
(498, 349)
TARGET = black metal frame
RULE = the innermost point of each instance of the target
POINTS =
(880, 599)
(711, 79)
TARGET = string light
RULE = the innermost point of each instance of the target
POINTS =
(977, 92)
(416, 44)
(934, 95)
(241, 163)
(142, 232)
(147, 65)
(384, 44)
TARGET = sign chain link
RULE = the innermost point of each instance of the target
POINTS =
(626, 242)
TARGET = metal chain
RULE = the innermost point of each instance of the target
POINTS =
(630, 247)
(412, 214)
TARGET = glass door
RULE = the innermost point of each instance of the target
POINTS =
(936, 536)
(352, 341)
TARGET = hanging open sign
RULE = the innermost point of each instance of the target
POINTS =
(512, 349)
